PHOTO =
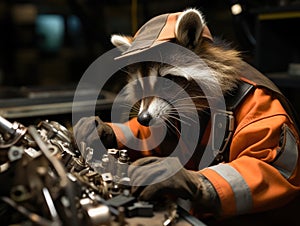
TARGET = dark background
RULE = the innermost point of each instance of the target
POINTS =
(46, 45)
(51, 43)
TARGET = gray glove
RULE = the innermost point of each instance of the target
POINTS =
(84, 130)
(154, 177)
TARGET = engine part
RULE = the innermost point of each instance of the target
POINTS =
(11, 133)
(142, 209)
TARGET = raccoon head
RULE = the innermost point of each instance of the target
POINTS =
(160, 99)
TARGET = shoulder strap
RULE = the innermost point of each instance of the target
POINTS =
(225, 120)
(234, 99)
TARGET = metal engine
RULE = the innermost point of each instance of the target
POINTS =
(47, 180)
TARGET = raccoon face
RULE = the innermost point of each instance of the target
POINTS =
(164, 93)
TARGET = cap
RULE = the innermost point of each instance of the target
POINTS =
(156, 31)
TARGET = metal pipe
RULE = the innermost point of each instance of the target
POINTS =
(6, 127)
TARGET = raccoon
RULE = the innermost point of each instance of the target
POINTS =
(163, 90)
(178, 76)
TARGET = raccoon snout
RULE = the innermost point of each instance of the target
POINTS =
(144, 118)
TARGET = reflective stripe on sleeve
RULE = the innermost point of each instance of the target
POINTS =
(287, 154)
(240, 188)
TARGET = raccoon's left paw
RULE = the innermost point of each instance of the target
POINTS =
(154, 177)
(91, 129)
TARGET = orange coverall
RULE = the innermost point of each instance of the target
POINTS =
(263, 170)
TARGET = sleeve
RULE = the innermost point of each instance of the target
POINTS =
(132, 136)
(126, 131)
(263, 171)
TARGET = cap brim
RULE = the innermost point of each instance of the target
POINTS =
(138, 51)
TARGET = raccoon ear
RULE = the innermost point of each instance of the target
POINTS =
(122, 42)
(189, 27)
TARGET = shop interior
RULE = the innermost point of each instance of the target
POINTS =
(47, 46)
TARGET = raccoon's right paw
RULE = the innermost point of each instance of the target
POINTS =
(91, 129)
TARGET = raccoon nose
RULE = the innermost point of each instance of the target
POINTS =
(144, 118)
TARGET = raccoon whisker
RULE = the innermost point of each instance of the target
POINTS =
(182, 106)
(197, 107)
(174, 112)
(125, 71)
(182, 111)
(171, 126)
(130, 107)
(161, 59)
(133, 114)
(191, 110)
(133, 110)
(185, 116)
(174, 100)
(182, 90)
(196, 97)
(189, 107)
(203, 97)
(130, 115)
(180, 120)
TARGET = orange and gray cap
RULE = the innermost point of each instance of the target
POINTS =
(156, 31)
